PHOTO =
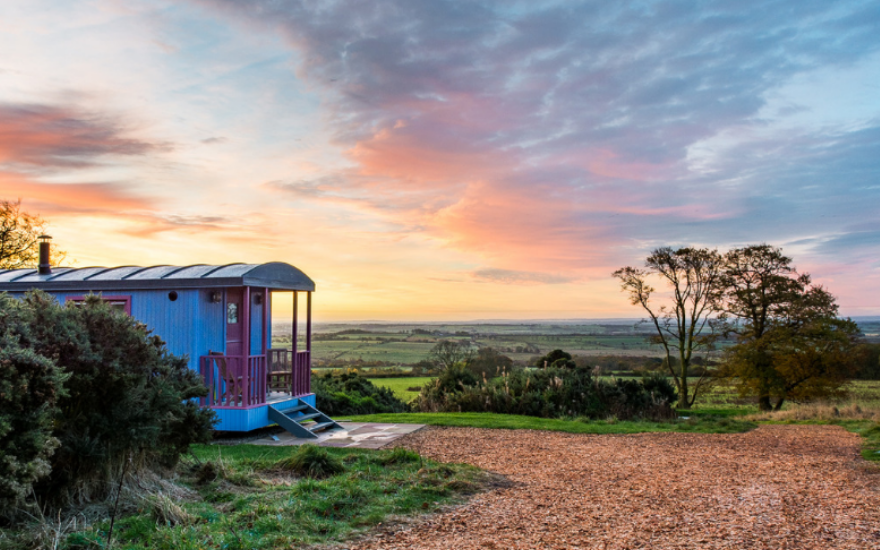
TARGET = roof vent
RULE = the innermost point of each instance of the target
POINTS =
(45, 266)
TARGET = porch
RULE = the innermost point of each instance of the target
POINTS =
(250, 381)
(238, 382)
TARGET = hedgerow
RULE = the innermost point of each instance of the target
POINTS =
(548, 393)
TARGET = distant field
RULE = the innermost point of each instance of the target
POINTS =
(397, 347)
(408, 344)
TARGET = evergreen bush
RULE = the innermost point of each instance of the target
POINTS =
(126, 399)
(30, 386)
(547, 393)
(353, 394)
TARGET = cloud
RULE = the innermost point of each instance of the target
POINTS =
(508, 276)
(72, 198)
(34, 136)
(566, 134)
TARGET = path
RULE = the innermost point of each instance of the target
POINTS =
(797, 487)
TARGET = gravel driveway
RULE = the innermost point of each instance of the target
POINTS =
(798, 487)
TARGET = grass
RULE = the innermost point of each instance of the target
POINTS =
(248, 498)
(400, 386)
(698, 424)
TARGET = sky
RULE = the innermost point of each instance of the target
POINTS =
(437, 160)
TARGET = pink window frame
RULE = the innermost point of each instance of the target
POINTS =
(126, 298)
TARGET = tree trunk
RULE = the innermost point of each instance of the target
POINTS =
(683, 401)
(779, 403)
(764, 403)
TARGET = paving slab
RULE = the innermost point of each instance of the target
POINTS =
(357, 435)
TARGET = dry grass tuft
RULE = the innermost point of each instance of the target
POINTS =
(818, 411)
(43, 532)
(166, 511)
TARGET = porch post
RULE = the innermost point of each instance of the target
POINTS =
(294, 370)
(267, 302)
(294, 344)
(246, 344)
(308, 367)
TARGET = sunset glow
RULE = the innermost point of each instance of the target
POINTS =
(445, 160)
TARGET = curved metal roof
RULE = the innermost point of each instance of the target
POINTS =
(274, 275)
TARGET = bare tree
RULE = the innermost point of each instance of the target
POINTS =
(449, 352)
(687, 323)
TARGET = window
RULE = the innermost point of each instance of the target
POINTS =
(231, 313)
(122, 303)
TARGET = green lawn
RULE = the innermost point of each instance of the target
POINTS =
(241, 500)
(696, 423)
(401, 386)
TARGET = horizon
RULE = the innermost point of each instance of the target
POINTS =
(448, 160)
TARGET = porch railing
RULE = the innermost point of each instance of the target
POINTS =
(234, 381)
(290, 372)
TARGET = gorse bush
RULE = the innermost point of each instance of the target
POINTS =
(126, 400)
(30, 386)
(353, 394)
(548, 393)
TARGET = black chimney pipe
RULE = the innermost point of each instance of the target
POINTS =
(45, 266)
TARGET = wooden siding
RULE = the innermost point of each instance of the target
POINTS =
(256, 320)
(210, 326)
(190, 325)
(245, 420)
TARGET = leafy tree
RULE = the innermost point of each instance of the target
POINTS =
(868, 360)
(489, 362)
(447, 353)
(687, 322)
(556, 359)
(18, 236)
(790, 343)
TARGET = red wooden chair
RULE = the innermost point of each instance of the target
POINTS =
(234, 390)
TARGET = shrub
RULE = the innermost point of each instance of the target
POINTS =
(353, 394)
(126, 398)
(556, 359)
(547, 393)
(30, 386)
(311, 461)
(489, 363)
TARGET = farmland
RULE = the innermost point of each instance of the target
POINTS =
(403, 345)
(399, 346)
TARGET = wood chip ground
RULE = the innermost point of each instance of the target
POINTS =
(777, 487)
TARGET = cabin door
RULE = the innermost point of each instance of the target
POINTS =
(234, 322)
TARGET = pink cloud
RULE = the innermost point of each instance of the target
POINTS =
(56, 136)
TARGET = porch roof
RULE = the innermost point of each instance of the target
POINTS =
(274, 275)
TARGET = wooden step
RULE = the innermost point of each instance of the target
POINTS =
(294, 410)
(320, 426)
(305, 417)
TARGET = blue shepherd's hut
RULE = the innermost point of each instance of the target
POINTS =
(220, 316)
